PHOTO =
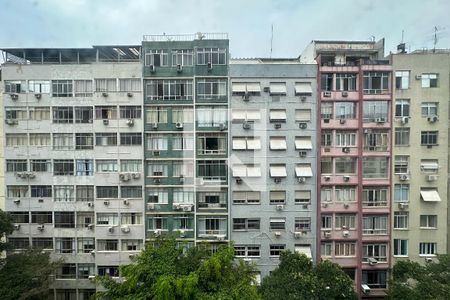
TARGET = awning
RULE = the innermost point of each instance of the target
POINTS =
(278, 195)
(303, 143)
(277, 115)
(305, 250)
(253, 144)
(303, 171)
(239, 144)
(278, 143)
(429, 166)
(238, 87)
(278, 88)
(238, 114)
(303, 88)
(302, 115)
(278, 171)
(239, 171)
(278, 220)
(253, 115)
(254, 171)
(253, 87)
(430, 196)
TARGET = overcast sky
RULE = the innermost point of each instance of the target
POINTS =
(83, 23)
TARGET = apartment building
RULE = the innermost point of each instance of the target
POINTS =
(354, 179)
(73, 150)
(186, 137)
(2, 152)
(272, 159)
(420, 170)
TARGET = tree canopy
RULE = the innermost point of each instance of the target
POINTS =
(165, 271)
(411, 280)
(6, 227)
(297, 278)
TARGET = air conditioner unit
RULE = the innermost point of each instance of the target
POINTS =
(157, 232)
(297, 235)
(277, 180)
(403, 177)
(105, 121)
(182, 233)
(326, 120)
(266, 89)
(126, 202)
(187, 208)
(238, 180)
(303, 153)
(157, 181)
(40, 227)
(16, 226)
(110, 229)
(277, 125)
(280, 207)
(179, 68)
(90, 204)
(432, 178)
(105, 94)
(150, 206)
(11, 122)
(327, 234)
(418, 77)
(301, 179)
(403, 205)
(125, 229)
(327, 178)
(346, 150)
(246, 97)
(302, 125)
(246, 125)
(404, 120)
(346, 205)
(130, 122)
(303, 98)
(37, 96)
(433, 119)
(155, 126)
(327, 94)
(345, 233)
(156, 153)
(152, 69)
(325, 205)
(176, 206)
(220, 237)
(129, 94)
(91, 277)
(92, 252)
(428, 259)
(365, 288)
(222, 126)
(210, 66)
(181, 179)
(346, 178)
(380, 120)
(277, 233)
(124, 176)
(14, 96)
(342, 121)
(179, 125)
(16, 201)
(344, 93)
(136, 175)
(31, 175)
(90, 226)
(106, 202)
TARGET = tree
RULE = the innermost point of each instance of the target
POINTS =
(6, 227)
(165, 271)
(411, 280)
(297, 278)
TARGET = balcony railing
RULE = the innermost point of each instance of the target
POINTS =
(184, 37)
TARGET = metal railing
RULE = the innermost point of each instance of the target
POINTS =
(184, 37)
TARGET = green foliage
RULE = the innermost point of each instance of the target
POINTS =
(297, 278)
(164, 272)
(410, 280)
(6, 227)
(26, 275)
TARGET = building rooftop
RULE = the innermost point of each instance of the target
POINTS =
(184, 37)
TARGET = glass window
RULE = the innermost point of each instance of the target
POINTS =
(345, 82)
(374, 225)
(39, 113)
(63, 141)
(429, 80)
(402, 80)
(130, 139)
(428, 138)
(400, 220)
(211, 116)
(402, 108)
(129, 85)
(428, 221)
(345, 110)
(168, 89)
(130, 112)
(401, 164)
(156, 58)
(62, 88)
(215, 56)
(429, 109)
(400, 247)
(64, 193)
(246, 197)
(211, 88)
(376, 82)
(63, 167)
(38, 86)
(16, 139)
(182, 57)
(375, 111)
(401, 193)
(83, 88)
(83, 114)
(84, 141)
(107, 192)
(106, 139)
(345, 165)
(106, 112)
(106, 85)
(85, 167)
(401, 136)
(40, 165)
(63, 115)
(427, 249)
(375, 167)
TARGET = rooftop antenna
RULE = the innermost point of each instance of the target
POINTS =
(435, 39)
(271, 42)
(401, 48)
(403, 34)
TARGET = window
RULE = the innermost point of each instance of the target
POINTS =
(130, 165)
(16, 139)
(278, 89)
(429, 166)
(215, 56)
(326, 249)
(107, 219)
(112, 271)
(40, 139)
(246, 197)
(401, 136)
(130, 139)
(41, 217)
(345, 110)
(43, 243)
(106, 112)
(16, 86)
(85, 193)
(130, 112)
(277, 143)
(64, 193)
(132, 245)
(246, 224)
(277, 197)
(65, 245)
(130, 85)
(107, 192)
(400, 247)
(107, 245)
(345, 165)
(183, 168)
(375, 167)
(247, 251)
(427, 249)
(246, 88)
(41, 191)
(38, 86)
(63, 141)
(107, 165)
(106, 85)
(183, 222)
(16, 113)
(106, 139)
(344, 249)
(375, 279)
(375, 225)
(83, 114)
(84, 271)
(302, 224)
(275, 250)
(211, 116)
(326, 165)
(277, 115)
(429, 80)
(84, 219)
(211, 88)
(186, 196)
(345, 194)
(402, 80)
(401, 164)
(39, 113)
(159, 196)
(277, 224)
(326, 138)
(63, 167)
(376, 251)
(376, 140)
(327, 82)
(85, 167)
(181, 115)
(345, 82)
(345, 139)
(241, 116)
(400, 220)
(327, 221)
(40, 165)
(376, 82)
(19, 243)
(246, 143)
(401, 193)
(17, 165)
(402, 108)
(84, 141)
(63, 115)
(212, 169)
(344, 221)
(158, 169)
(211, 144)
(375, 111)
(326, 111)
(157, 58)
(17, 191)
(277, 170)
(64, 219)
(429, 109)
(20, 216)
(62, 88)
(168, 89)
(374, 196)
(428, 221)
(429, 138)
(83, 88)
(157, 222)
(131, 191)
(182, 57)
